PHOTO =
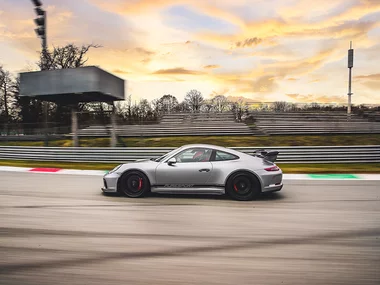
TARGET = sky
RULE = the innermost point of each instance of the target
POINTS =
(262, 50)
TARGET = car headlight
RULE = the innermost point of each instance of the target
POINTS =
(115, 169)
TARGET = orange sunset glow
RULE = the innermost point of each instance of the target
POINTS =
(262, 50)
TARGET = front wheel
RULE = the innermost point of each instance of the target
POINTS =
(243, 186)
(134, 184)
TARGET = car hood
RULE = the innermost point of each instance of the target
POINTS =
(139, 162)
(143, 160)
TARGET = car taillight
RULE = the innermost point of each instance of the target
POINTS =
(272, 168)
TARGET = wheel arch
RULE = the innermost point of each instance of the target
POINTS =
(248, 171)
(130, 170)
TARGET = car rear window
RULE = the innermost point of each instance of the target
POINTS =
(223, 156)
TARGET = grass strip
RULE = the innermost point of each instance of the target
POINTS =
(236, 141)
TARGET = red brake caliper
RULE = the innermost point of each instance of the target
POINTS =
(235, 187)
(140, 184)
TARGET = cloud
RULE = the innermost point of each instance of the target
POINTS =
(277, 51)
(251, 99)
(211, 66)
(136, 54)
(302, 66)
(370, 76)
(371, 53)
(264, 84)
(344, 25)
(142, 51)
(292, 79)
(146, 6)
(371, 81)
(240, 98)
(357, 11)
(351, 29)
(373, 85)
(177, 71)
(131, 7)
(314, 98)
(121, 71)
(249, 42)
(251, 83)
(266, 79)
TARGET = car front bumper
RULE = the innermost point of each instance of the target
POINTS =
(110, 182)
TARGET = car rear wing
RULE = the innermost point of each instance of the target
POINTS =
(267, 155)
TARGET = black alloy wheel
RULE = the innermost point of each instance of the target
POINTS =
(134, 184)
(243, 186)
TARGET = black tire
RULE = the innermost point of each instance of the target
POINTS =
(134, 184)
(243, 186)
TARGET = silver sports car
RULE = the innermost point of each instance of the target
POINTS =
(198, 169)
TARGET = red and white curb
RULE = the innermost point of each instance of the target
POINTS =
(53, 170)
(337, 176)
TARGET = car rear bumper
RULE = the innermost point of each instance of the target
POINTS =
(273, 188)
(271, 180)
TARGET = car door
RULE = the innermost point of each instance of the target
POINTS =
(192, 167)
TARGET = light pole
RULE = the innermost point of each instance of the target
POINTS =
(41, 28)
(41, 33)
(350, 66)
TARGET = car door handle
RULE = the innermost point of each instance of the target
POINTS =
(204, 170)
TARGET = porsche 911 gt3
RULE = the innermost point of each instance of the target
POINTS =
(198, 169)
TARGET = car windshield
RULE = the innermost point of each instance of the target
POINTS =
(161, 158)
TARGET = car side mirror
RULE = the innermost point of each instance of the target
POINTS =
(172, 161)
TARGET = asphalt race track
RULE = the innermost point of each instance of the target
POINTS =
(60, 229)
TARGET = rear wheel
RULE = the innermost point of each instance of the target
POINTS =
(243, 186)
(134, 184)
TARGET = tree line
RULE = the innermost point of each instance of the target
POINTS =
(30, 112)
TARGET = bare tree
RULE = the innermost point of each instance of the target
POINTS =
(263, 107)
(207, 106)
(279, 106)
(194, 99)
(165, 104)
(69, 56)
(156, 106)
(6, 94)
(169, 102)
(129, 106)
(182, 107)
(239, 108)
(220, 103)
(315, 106)
(121, 110)
(144, 109)
(27, 110)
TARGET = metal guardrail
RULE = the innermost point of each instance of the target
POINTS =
(316, 154)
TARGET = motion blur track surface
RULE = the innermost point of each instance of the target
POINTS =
(60, 229)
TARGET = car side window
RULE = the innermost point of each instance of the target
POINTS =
(224, 156)
(194, 155)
